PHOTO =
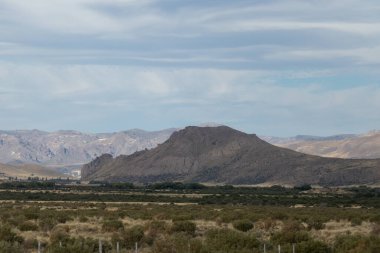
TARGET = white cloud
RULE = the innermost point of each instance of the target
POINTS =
(75, 16)
(248, 63)
(102, 24)
(265, 25)
(368, 55)
(120, 86)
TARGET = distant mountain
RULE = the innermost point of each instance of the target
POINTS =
(341, 146)
(66, 148)
(225, 155)
(299, 138)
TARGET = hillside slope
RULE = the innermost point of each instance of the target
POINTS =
(224, 155)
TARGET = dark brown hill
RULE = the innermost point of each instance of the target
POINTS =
(224, 155)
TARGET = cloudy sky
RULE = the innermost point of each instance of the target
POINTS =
(269, 67)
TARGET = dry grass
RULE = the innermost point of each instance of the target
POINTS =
(335, 228)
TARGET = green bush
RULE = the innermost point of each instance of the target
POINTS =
(376, 230)
(154, 228)
(133, 235)
(286, 237)
(16, 220)
(83, 218)
(304, 187)
(357, 243)
(227, 240)
(315, 223)
(163, 245)
(356, 221)
(178, 242)
(112, 225)
(7, 247)
(28, 226)
(59, 234)
(78, 245)
(292, 232)
(32, 213)
(63, 217)
(243, 225)
(312, 247)
(47, 223)
(7, 235)
(184, 226)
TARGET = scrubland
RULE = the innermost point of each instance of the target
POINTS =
(192, 226)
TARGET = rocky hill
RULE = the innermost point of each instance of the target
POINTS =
(64, 148)
(342, 146)
(224, 155)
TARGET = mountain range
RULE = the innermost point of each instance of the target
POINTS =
(67, 151)
(224, 155)
(68, 148)
(73, 148)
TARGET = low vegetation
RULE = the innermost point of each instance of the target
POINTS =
(180, 218)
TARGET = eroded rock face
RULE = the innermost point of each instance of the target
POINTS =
(224, 155)
(95, 165)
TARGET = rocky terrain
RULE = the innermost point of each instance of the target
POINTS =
(342, 146)
(224, 155)
(68, 148)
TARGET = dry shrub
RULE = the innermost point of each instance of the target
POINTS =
(59, 234)
(269, 224)
(376, 229)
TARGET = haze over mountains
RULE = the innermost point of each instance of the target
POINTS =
(24, 171)
(343, 146)
(224, 155)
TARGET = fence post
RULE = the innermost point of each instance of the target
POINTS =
(136, 247)
(279, 248)
(294, 248)
(39, 247)
(100, 246)
(117, 247)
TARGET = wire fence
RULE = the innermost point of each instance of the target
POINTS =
(116, 248)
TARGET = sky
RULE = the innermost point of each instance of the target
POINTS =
(271, 67)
